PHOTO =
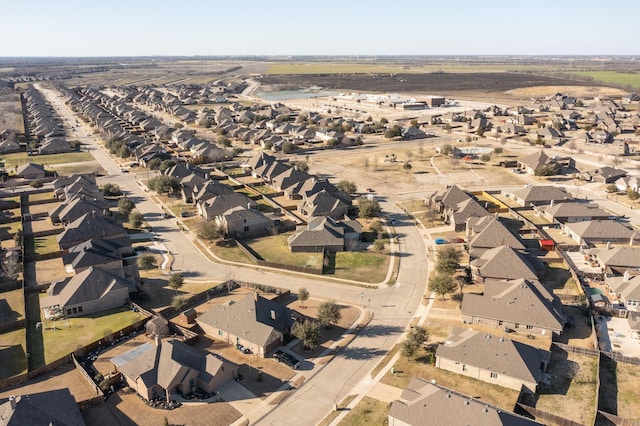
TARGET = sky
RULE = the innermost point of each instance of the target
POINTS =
(326, 27)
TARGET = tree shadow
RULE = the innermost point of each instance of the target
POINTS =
(380, 330)
(608, 392)
(562, 372)
(360, 353)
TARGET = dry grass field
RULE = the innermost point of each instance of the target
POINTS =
(10, 111)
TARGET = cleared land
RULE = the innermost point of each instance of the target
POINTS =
(10, 111)
(620, 78)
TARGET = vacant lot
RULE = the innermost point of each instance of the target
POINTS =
(572, 391)
(10, 111)
(440, 83)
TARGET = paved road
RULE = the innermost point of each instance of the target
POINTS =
(392, 307)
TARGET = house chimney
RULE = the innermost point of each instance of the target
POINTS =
(631, 240)
(157, 340)
(93, 214)
(551, 203)
(13, 402)
(625, 277)
(255, 296)
(608, 245)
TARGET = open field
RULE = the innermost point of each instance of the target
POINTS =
(619, 78)
(19, 158)
(10, 111)
(431, 83)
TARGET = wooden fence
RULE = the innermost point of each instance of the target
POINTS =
(12, 325)
(86, 376)
(608, 418)
(595, 352)
(546, 417)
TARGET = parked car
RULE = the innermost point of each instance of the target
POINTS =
(440, 241)
(286, 358)
(242, 349)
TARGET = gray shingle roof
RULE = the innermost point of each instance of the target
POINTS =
(620, 256)
(423, 403)
(504, 262)
(497, 354)
(55, 407)
(519, 301)
(600, 230)
(542, 193)
(494, 233)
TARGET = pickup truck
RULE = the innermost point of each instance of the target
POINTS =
(286, 358)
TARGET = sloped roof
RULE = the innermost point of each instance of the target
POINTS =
(56, 407)
(600, 230)
(504, 262)
(520, 301)
(453, 196)
(249, 317)
(466, 209)
(494, 234)
(620, 256)
(541, 193)
(321, 231)
(535, 160)
(497, 354)
(87, 227)
(323, 203)
(423, 400)
(575, 210)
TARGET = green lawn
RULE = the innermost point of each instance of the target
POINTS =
(275, 249)
(228, 251)
(77, 332)
(41, 245)
(20, 158)
(369, 411)
(364, 266)
(626, 79)
(13, 359)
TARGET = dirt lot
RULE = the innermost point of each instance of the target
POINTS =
(64, 377)
(432, 83)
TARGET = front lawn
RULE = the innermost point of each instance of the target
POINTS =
(367, 412)
(364, 266)
(275, 249)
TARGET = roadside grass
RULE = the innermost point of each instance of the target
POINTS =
(88, 167)
(367, 412)
(628, 377)
(572, 391)
(74, 333)
(422, 368)
(363, 266)
(227, 250)
(19, 158)
(13, 356)
(625, 79)
(335, 413)
(390, 354)
(11, 305)
(275, 249)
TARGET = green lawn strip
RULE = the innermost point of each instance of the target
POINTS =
(626, 79)
(75, 333)
(275, 249)
(13, 358)
(19, 158)
(367, 412)
(362, 266)
(13, 310)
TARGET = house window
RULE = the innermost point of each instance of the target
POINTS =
(246, 228)
(464, 367)
(80, 309)
(75, 310)
(68, 311)
(494, 375)
(516, 325)
(244, 220)
(529, 327)
(219, 332)
(500, 323)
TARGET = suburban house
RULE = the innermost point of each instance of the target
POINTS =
(242, 222)
(459, 214)
(31, 171)
(68, 212)
(519, 305)
(617, 260)
(627, 290)
(76, 186)
(449, 199)
(92, 290)
(536, 195)
(424, 402)
(535, 161)
(55, 145)
(172, 367)
(571, 212)
(506, 263)
(488, 232)
(87, 227)
(209, 190)
(324, 233)
(54, 407)
(323, 203)
(9, 145)
(218, 204)
(109, 255)
(258, 324)
(493, 359)
(628, 183)
(601, 232)
(604, 174)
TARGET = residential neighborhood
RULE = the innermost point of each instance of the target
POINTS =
(180, 249)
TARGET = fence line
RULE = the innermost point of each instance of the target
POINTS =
(543, 415)
(618, 421)
(596, 352)
(262, 262)
(89, 380)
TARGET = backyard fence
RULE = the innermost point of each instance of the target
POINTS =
(547, 417)
(261, 262)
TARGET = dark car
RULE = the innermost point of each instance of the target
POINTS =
(286, 358)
